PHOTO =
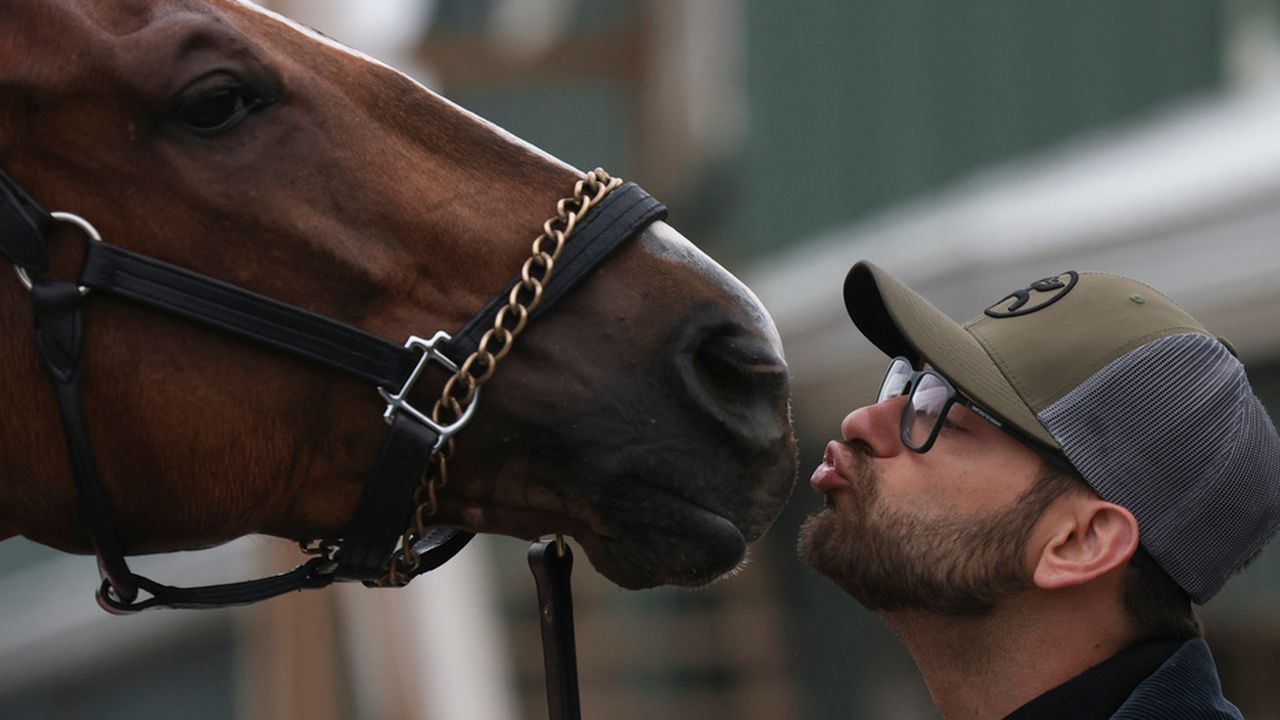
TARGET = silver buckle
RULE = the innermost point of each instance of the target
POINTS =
(65, 217)
(399, 401)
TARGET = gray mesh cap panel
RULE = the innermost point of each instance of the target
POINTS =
(1173, 432)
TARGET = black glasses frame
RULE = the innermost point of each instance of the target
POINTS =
(955, 397)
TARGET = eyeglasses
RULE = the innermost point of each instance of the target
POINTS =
(929, 399)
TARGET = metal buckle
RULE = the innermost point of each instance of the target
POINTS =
(399, 401)
(65, 217)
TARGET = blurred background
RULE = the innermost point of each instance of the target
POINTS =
(968, 148)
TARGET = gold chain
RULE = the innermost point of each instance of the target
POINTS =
(494, 345)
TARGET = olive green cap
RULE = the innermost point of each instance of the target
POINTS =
(1029, 348)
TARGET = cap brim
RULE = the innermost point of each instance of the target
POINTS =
(900, 322)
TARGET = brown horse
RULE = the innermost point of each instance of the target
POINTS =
(646, 415)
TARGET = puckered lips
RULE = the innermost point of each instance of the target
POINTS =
(835, 470)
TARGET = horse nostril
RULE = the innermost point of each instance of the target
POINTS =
(735, 367)
(737, 377)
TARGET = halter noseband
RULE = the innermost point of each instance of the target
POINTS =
(599, 223)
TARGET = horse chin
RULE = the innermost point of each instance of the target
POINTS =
(656, 537)
(705, 548)
(679, 542)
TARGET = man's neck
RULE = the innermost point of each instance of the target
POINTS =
(988, 667)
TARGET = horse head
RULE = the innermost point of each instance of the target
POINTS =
(646, 415)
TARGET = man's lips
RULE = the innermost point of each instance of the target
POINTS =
(830, 475)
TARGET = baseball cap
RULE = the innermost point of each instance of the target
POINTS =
(1154, 412)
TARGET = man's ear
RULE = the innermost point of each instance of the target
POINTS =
(1088, 538)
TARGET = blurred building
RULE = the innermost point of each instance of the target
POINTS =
(968, 148)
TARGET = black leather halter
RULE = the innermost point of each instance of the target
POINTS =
(387, 500)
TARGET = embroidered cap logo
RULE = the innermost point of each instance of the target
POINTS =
(1037, 296)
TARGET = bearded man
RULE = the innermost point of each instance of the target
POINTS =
(1037, 497)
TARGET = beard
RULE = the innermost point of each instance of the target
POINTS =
(891, 560)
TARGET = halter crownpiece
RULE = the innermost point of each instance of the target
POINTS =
(411, 466)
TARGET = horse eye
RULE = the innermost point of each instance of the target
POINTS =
(212, 108)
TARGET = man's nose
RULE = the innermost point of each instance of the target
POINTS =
(877, 426)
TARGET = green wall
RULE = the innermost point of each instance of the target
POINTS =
(856, 105)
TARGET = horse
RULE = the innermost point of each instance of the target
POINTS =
(646, 416)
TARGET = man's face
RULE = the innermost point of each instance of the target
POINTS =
(942, 532)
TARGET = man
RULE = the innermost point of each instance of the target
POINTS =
(1037, 497)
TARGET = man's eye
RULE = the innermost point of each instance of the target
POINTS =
(951, 427)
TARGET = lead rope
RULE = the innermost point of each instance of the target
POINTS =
(552, 563)
(460, 390)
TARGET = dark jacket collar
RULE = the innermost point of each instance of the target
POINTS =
(1161, 679)
(1185, 686)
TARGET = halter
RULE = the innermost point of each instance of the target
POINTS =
(376, 548)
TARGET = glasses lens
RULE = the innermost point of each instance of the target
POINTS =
(895, 381)
(924, 409)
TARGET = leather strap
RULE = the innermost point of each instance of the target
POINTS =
(23, 227)
(619, 216)
(315, 573)
(439, 546)
(375, 527)
(59, 342)
(252, 316)
(179, 291)
(551, 572)
(386, 502)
